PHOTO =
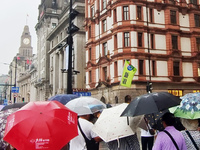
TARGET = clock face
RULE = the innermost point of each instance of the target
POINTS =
(26, 41)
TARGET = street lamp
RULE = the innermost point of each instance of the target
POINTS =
(71, 29)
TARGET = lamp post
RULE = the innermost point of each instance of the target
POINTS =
(71, 29)
(15, 76)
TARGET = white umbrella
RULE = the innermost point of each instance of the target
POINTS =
(85, 105)
(110, 126)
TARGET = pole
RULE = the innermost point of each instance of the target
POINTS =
(15, 76)
(70, 41)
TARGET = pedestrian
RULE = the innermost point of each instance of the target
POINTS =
(127, 99)
(147, 137)
(191, 134)
(126, 143)
(85, 133)
(170, 138)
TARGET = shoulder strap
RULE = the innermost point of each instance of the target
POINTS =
(82, 131)
(172, 139)
(195, 145)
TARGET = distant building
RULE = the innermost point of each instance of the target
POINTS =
(52, 36)
(19, 67)
(161, 38)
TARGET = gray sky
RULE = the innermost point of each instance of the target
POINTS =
(13, 19)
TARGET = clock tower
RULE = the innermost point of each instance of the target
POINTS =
(26, 49)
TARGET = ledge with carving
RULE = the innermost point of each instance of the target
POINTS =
(105, 83)
(176, 78)
(197, 79)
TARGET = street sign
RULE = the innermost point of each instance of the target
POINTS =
(5, 102)
(15, 94)
(82, 93)
(15, 89)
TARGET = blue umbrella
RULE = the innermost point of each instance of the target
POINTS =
(63, 98)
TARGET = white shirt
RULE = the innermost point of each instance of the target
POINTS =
(78, 143)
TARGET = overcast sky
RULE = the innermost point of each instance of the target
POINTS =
(13, 19)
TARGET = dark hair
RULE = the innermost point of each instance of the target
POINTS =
(169, 119)
(127, 99)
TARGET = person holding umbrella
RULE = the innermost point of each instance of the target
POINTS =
(191, 134)
(170, 138)
(85, 133)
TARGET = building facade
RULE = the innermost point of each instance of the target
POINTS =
(159, 37)
(18, 73)
(51, 52)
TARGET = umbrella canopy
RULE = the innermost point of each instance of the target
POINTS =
(155, 121)
(63, 98)
(15, 105)
(151, 103)
(2, 106)
(85, 105)
(3, 120)
(189, 107)
(110, 126)
(41, 125)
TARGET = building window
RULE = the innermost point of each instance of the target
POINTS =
(104, 25)
(152, 40)
(115, 69)
(198, 44)
(90, 76)
(139, 39)
(174, 42)
(176, 92)
(176, 68)
(126, 39)
(126, 12)
(90, 53)
(193, 2)
(141, 67)
(153, 68)
(105, 49)
(114, 15)
(53, 25)
(89, 32)
(197, 20)
(104, 4)
(92, 11)
(105, 74)
(173, 16)
(139, 13)
(115, 41)
(151, 15)
(199, 69)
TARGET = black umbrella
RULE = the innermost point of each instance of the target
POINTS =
(63, 98)
(155, 121)
(151, 103)
(15, 105)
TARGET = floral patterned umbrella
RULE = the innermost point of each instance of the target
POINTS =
(189, 107)
(3, 120)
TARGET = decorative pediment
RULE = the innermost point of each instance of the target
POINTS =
(176, 53)
(90, 64)
(102, 84)
(103, 60)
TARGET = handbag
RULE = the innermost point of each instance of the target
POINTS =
(172, 139)
(195, 145)
(151, 131)
(90, 144)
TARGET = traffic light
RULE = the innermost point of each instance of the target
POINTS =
(72, 28)
(149, 87)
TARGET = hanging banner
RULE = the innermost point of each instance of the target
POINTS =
(128, 74)
(66, 57)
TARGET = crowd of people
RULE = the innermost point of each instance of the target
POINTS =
(169, 139)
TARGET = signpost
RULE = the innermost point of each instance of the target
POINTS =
(82, 93)
(15, 90)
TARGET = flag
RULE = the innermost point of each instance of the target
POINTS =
(18, 58)
(128, 74)
(28, 61)
(66, 57)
